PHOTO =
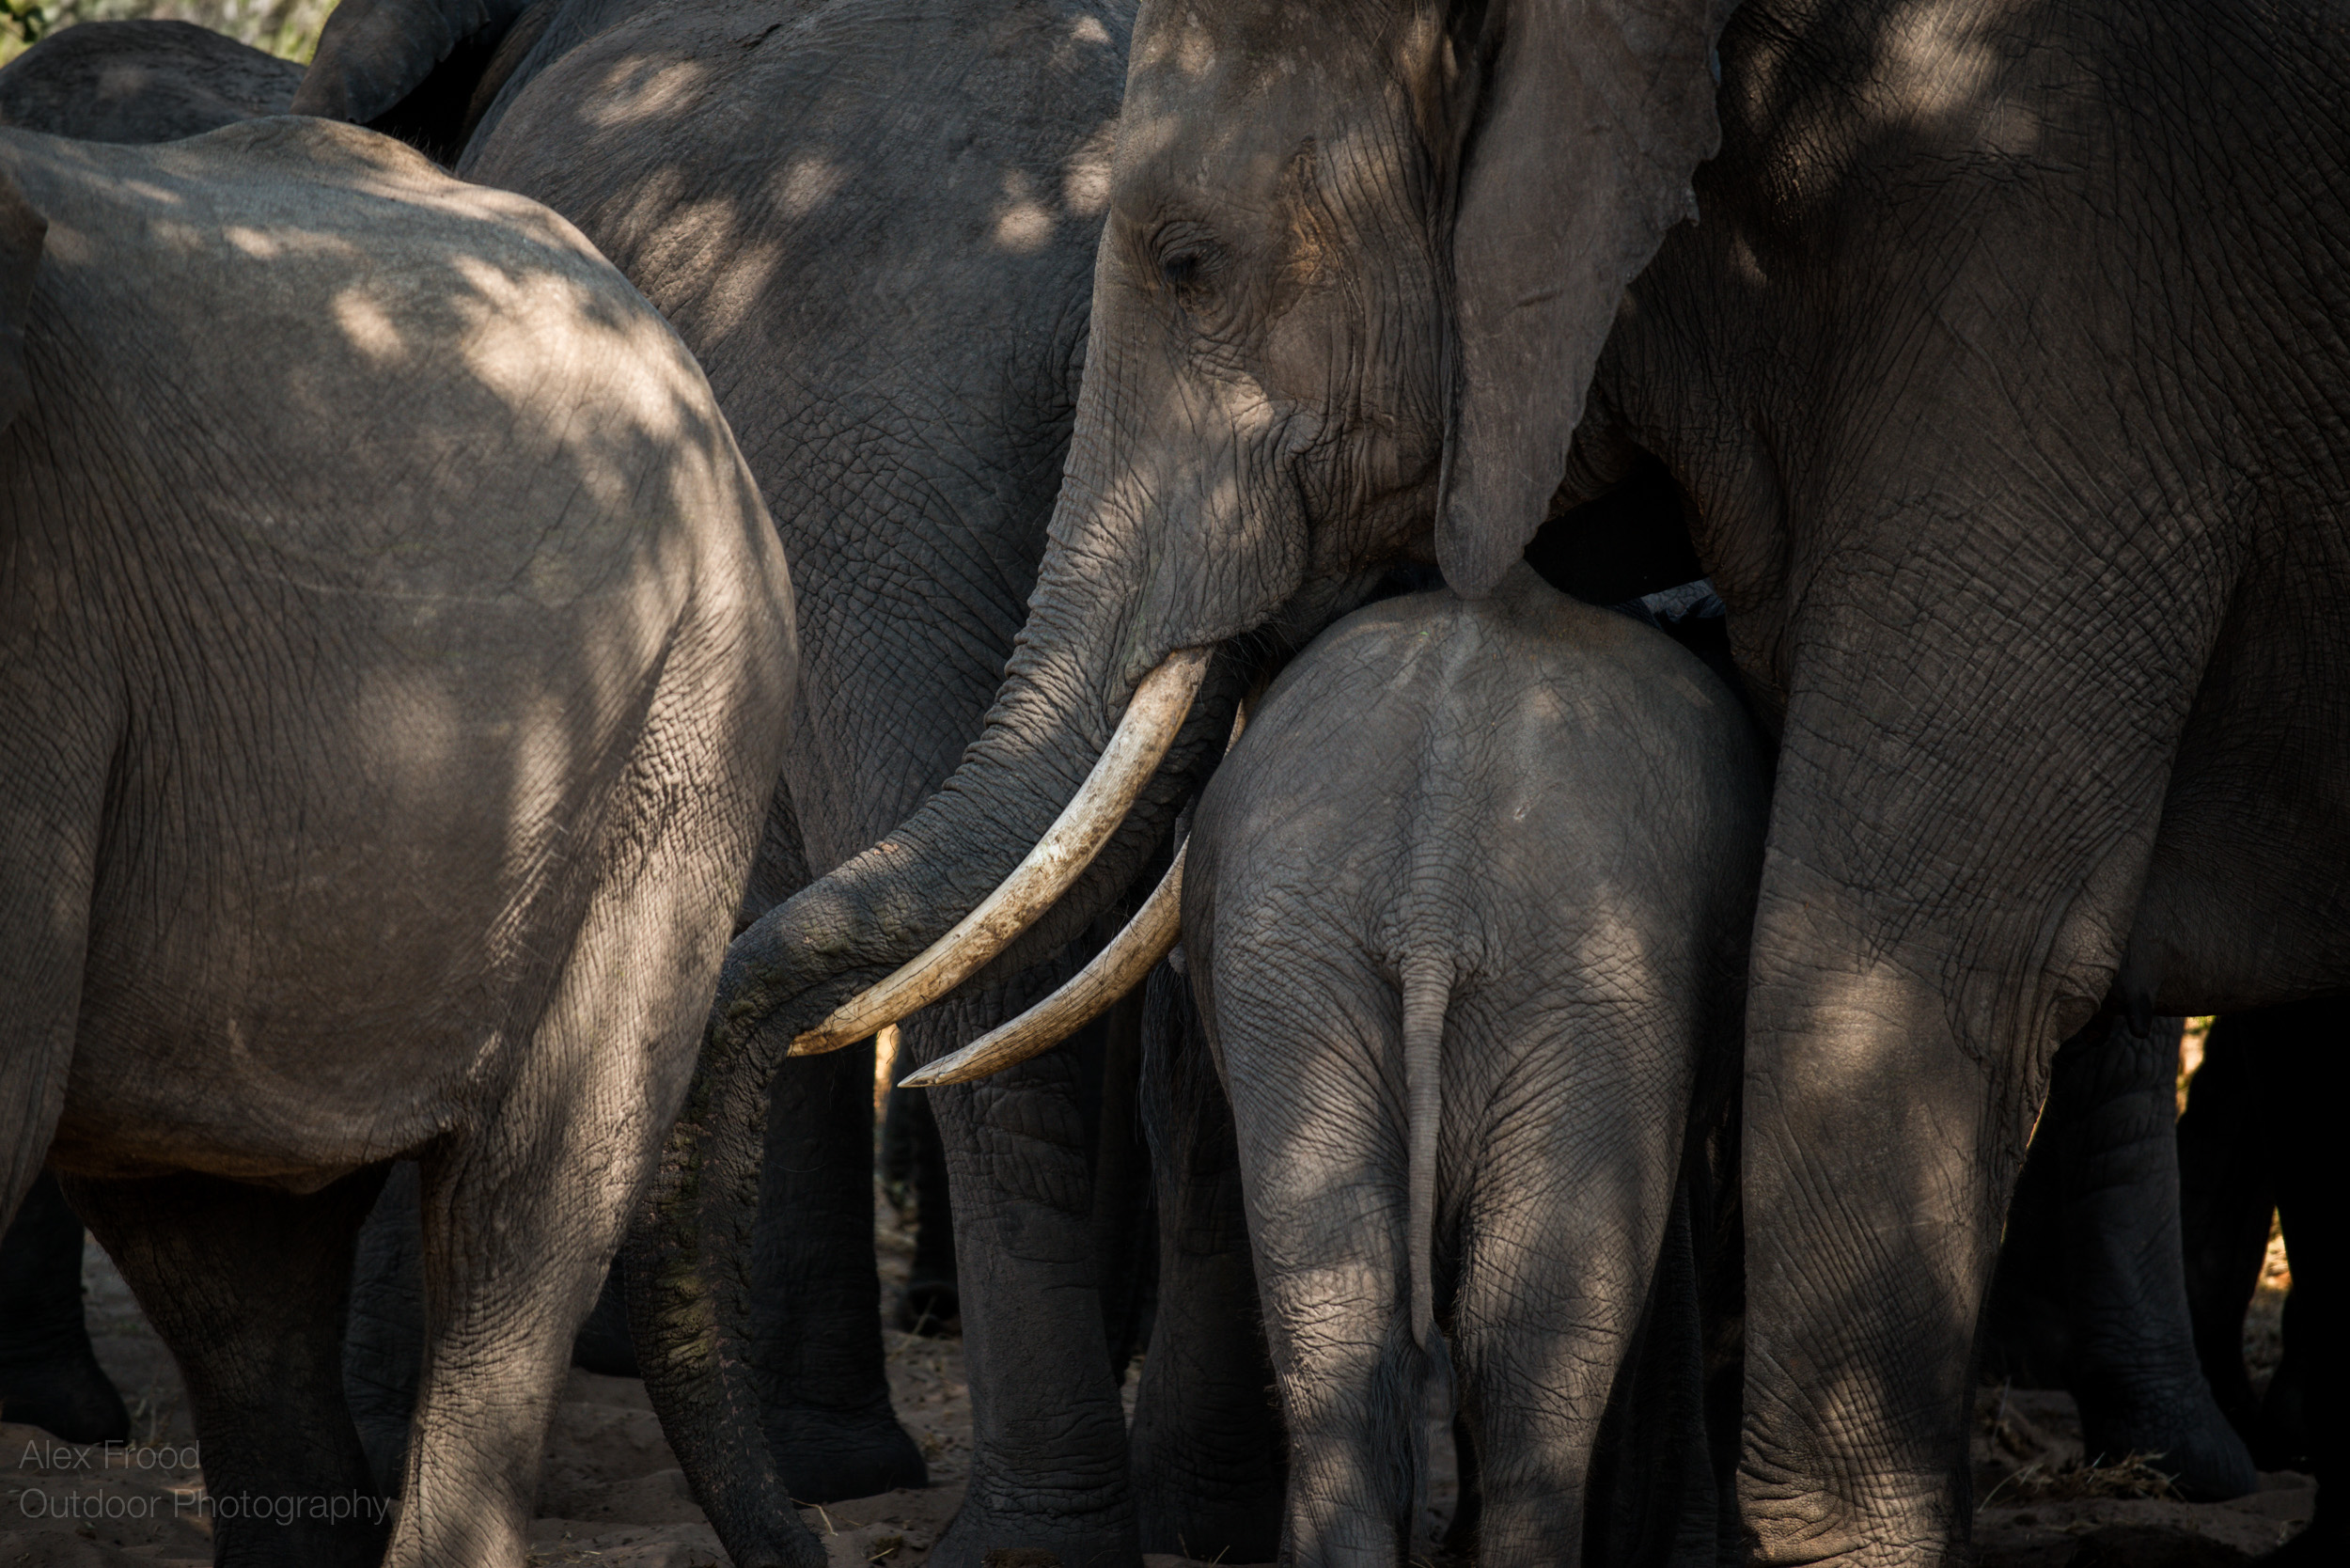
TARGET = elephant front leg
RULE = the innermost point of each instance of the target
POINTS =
(816, 1299)
(247, 1287)
(49, 1375)
(1875, 1168)
(1048, 1464)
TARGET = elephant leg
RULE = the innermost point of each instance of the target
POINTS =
(1654, 1495)
(1579, 1358)
(49, 1375)
(248, 1286)
(1210, 1458)
(384, 1340)
(816, 1345)
(1126, 1233)
(816, 1304)
(2112, 1096)
(525, 1203)
(918, 1158)
(1048, 1464)
(1313, 1069)
(2226, 1200)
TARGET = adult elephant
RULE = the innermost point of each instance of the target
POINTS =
(394, 665)
(2006, 383)
(141, 82)
(874, 223)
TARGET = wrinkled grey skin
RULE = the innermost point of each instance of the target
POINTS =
(141, 82)
(394, 663)
(151, 82)
(1465, 911)
(2006, 383)
(874, 224)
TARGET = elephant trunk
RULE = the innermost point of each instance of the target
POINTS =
(1088, 696)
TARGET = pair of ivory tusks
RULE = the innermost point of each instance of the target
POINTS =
(1068, 847)
(1117, 969)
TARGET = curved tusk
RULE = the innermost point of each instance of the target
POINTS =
(1115, 970)
(1068, 847)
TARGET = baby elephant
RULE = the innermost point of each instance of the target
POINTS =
(1465, 916)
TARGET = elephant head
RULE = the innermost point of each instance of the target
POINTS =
(1358, 262)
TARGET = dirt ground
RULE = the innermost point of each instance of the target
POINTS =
(613, 1496)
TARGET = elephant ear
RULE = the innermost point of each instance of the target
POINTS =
(1593, 116)
(374, 56)
(21, 231)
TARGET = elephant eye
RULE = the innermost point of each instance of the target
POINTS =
(1181, 269)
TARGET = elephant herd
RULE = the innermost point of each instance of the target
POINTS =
(1247, 709)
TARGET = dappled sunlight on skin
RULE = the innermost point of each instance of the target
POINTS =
(471, 334)
(420, 659)
(807, 354)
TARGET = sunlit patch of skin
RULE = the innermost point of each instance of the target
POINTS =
(808, 183)
(1021, 224)
(638, 93)
(1085, 188)
(368, 326)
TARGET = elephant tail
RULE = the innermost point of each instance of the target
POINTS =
(1427, 993)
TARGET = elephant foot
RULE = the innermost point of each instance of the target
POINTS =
(69, 1396)
(998, 1536)
(825, 1459)
(2186, 1434)
(931, 1308)
(1236, 1525)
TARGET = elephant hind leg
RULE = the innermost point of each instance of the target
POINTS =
(1211, 1461)
(247, 1286)
(1578, 1355)
(1314, 1070)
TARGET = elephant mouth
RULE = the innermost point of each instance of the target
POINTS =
(1085, 826)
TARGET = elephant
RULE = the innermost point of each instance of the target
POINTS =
(142, 81)
(1465, 912)
(2004, 381)
(875, 228)
(2254, 1147)
(49, 1374)
(154, 82)
(395, 661)
(2091, 1291)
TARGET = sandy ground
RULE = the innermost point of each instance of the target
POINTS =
(612, 1497)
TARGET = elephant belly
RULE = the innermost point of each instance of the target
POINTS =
(307, 946)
